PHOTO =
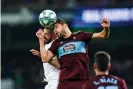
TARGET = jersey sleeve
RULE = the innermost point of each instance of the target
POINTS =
(124, 84)
(54, 47)
(89, 85)
(86, 36)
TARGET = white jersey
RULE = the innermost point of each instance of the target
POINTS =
(51, 73)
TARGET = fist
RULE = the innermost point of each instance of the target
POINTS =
(40, 34)
(105, 23)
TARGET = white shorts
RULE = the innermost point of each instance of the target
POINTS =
(53, 80)
(52, 84)
(50, 87)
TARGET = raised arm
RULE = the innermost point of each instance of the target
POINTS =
(124, 85)
(105, 32)
(46, 56)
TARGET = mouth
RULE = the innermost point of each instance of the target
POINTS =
(45, 39)
(57, 34)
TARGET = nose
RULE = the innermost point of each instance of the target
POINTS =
(44, 36)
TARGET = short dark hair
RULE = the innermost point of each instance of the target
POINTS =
(102, 59)
(50, 29)
(60, 21)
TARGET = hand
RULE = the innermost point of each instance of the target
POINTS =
(40, 34)
(105, 23)
(35, 52)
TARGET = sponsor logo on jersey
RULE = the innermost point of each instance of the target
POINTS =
(69, 47)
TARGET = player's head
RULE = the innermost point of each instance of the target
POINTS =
(102, 62)
(48, 35)
(60, 27)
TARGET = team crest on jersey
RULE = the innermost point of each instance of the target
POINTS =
(69, 47)
(74, 37)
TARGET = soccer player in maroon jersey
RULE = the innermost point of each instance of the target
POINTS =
(72, 51)
(103, 80)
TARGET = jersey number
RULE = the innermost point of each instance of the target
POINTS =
(108, 87)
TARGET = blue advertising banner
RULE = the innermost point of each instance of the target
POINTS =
(91, 17)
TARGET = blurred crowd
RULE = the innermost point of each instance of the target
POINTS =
(57, 4)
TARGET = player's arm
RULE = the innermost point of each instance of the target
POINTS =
(46, 56)
(124, 84)
(54, 62)
(35, 52)
(105, 32)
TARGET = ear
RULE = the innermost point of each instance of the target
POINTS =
(94, 66)
(64, 25)
(109, 66)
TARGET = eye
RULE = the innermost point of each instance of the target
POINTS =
(46, 34)
(56, 26)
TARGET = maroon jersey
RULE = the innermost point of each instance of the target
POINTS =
(73, 55)
(106, 82)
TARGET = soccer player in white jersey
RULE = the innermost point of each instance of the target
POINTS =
(51, 69)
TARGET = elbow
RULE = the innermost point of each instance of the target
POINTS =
(107, 36)
(44, 59)
(104, 36)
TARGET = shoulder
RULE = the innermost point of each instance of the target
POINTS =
(48, 45)
(120, 80)
(116, 77)
(54, 46)
(92, 79)
(56, 40)
(55, 43)
(82, 33)
(77, 32)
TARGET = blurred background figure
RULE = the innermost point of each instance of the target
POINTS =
(19, 21)
(102, 78)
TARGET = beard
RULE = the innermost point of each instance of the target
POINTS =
(62, 34)
(47, 41)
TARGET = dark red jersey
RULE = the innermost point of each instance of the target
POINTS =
(106, 82)
(73, 56)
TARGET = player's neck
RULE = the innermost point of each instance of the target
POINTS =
(102, 73)
(54, 37)
(68, 33)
